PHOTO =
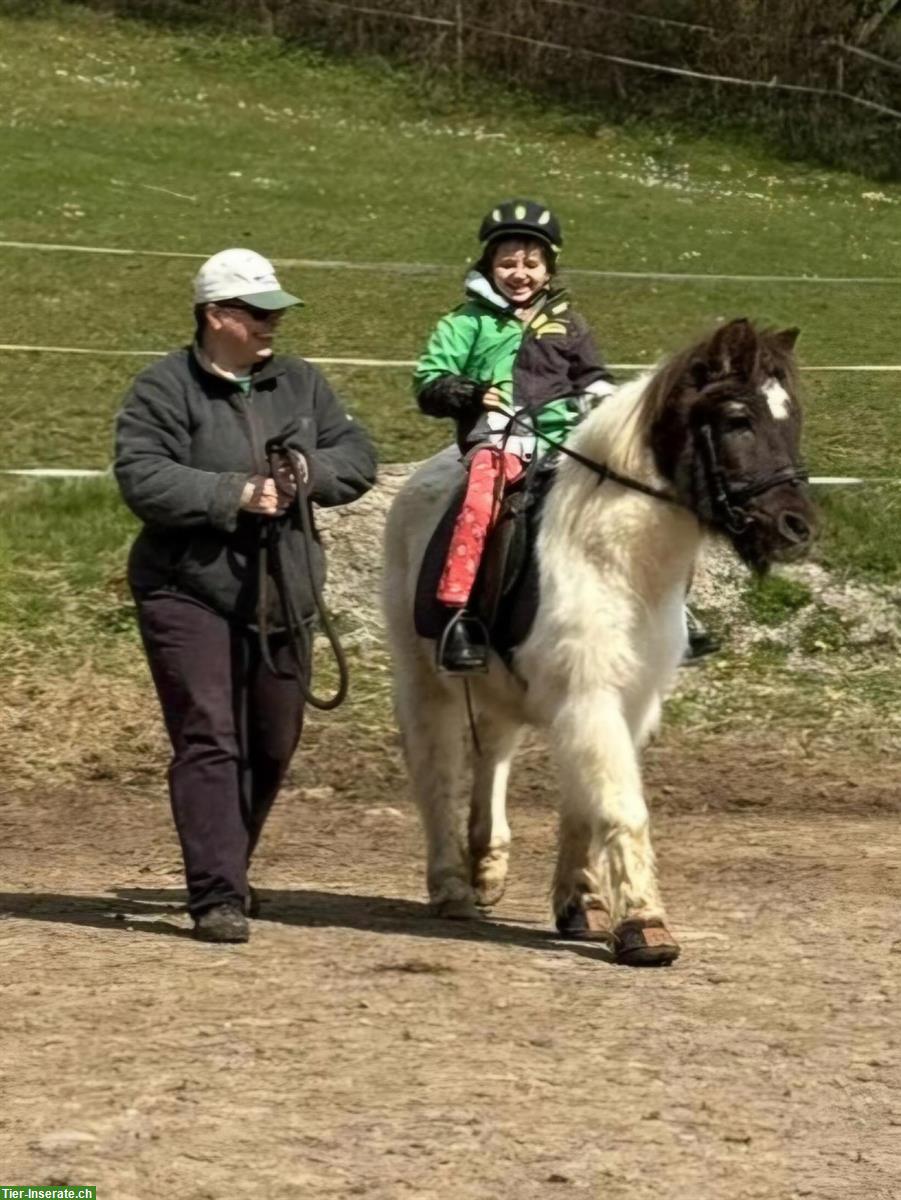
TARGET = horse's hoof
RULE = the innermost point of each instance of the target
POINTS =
(456, 908)
(644, 942)
(491, 894)
(578, 924)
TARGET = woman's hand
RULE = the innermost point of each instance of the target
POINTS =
(260, 496)
(285, 475)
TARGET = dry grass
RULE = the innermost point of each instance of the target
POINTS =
(77, 720)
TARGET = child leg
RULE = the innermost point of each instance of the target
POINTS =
(476, 516)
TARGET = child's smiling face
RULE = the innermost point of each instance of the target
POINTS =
(519, 269)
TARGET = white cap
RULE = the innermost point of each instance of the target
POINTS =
(241, 275)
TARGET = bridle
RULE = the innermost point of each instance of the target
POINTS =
(730, 500)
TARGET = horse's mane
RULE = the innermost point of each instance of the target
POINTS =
(771, 356)
(618, 431)
(612, 433)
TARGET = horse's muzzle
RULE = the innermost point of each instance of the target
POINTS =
(784, 535)
(795, 530)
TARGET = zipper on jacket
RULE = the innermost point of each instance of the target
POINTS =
(527, 329)
(256, 449)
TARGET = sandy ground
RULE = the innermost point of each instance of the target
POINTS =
(357, 1047)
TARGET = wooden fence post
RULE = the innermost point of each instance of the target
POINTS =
(267, 20)
(459, 57)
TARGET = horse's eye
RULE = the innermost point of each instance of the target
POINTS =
(736, 422)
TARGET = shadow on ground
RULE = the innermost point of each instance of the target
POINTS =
(144, 910)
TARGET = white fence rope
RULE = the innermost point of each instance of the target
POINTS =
(93, 473)
(321, 362)
(331, 264)
(868, 55)
(56, 472)
(387, 362)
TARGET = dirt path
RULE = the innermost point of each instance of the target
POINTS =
(357, 1048)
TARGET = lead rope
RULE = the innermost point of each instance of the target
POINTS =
(300, 640)
(471, 717)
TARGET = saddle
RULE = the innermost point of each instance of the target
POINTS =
(505, 596)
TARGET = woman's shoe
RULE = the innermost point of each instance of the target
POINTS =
(222, 923)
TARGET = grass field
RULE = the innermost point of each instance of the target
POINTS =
(308, 159)
(116, 135)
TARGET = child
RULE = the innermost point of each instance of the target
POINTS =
(514, 345)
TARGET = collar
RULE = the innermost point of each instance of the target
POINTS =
(479, 288)
(258, 372)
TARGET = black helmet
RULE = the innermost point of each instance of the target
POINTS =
(524, 217)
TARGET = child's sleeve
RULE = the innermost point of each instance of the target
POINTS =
(587, 370)
(440, 383)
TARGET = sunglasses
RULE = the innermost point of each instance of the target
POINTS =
(258, 314)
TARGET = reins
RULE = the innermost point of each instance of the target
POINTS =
(600, 469)
(728, 499)
(298, 630)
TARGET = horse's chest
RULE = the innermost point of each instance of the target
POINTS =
(661, 636)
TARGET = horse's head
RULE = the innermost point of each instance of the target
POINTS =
(726, 433)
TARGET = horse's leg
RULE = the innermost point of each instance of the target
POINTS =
(647, 722)
(431, 718)
(489, 832)
(606, 879)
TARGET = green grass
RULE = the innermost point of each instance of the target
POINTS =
(63, 546)
(307, 158)
(340, 161)
(774, 599)
(301, 157)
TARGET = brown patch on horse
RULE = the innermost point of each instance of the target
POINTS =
(715, 431)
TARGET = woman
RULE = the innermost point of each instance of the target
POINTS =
(192, 464)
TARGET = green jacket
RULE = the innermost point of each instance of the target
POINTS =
(545, 367)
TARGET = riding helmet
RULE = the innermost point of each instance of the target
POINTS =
(527, 218)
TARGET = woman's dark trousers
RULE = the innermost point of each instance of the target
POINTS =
(233, 726)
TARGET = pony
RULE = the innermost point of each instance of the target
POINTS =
(708, 443)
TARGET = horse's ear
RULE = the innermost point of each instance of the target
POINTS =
(733, 350)
(785, 339)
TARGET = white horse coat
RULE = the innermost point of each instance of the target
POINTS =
(603, 651)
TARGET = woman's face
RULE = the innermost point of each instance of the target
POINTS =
(519, 269)
(246, 332)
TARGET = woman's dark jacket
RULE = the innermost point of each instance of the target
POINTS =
(188, 440)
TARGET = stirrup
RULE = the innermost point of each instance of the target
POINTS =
(477, 635)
